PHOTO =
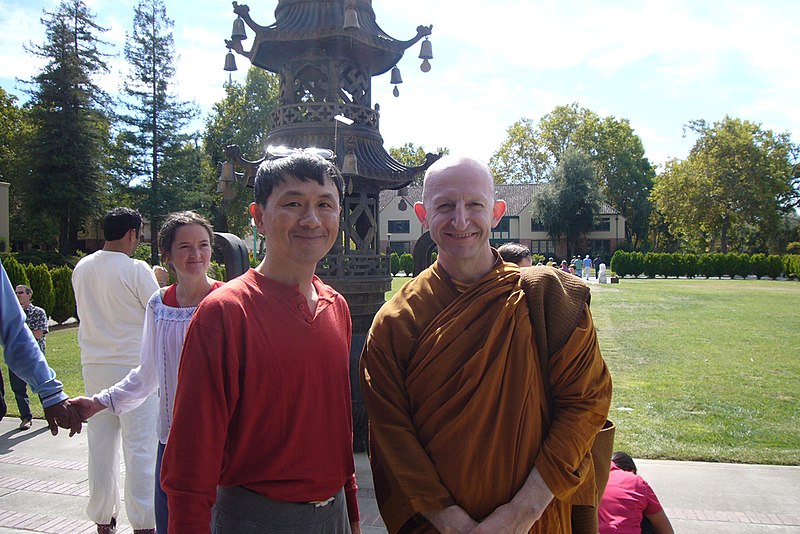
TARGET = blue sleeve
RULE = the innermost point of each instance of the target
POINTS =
(21, 351)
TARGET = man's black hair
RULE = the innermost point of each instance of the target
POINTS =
(119, 221)
(302, 166)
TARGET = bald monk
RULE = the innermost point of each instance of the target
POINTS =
(462, 436)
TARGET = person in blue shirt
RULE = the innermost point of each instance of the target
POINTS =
(24, 357)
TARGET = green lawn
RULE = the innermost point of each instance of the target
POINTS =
(63, 355)
(703, 369)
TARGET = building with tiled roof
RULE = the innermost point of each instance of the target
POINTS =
(399, 228)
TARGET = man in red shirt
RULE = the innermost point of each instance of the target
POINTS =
(261, 436)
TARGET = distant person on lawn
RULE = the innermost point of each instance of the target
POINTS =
(24, 357)
(36, 319)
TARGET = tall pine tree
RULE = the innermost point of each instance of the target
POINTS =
(155, 118)
(70, 124)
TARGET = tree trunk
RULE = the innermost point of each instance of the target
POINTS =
(723, 244)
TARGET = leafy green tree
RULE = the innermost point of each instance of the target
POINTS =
(730, 187)
(411, 155)
(70, 124)
(241, 118)
(569, 203)
(521, 157)
(154, 117)
(15, 131)
(568, 126)
(625, 175)
(530, 153)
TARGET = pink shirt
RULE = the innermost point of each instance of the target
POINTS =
(626, 500)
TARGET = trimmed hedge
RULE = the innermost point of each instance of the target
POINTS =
(64, 305)
(394, 263)
(15, 271)
(42, 285)
(407, 263)
(791, 265)
(714, 265)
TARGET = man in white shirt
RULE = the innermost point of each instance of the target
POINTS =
(111, 291)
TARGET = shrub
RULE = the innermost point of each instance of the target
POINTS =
(142, 252)
(42, 285)
(791, 265)
(16, 272)
(651, 264)
(217, 271)
(622, 263)
(48, 257)
(64, 297)
(689, 265)
(712, 265)
(407, 263)
(793, 247)
(774, 266)
(737, 265)
(758, 265)
(535, 258)
(394, 263)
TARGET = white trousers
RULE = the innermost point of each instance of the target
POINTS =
(137, 431)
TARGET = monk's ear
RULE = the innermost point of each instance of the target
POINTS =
(498, 211)
(422, 214)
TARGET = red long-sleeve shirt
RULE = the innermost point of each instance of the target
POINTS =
(263, 401)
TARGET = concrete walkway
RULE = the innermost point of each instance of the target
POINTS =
(43, 488)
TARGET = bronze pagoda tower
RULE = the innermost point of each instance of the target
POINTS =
(325, 53)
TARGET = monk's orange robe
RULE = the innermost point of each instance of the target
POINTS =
(457, 410)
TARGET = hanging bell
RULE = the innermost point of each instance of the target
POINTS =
(351, 20)
(238, 33)
(425, 53)
(396, 78)
(350, 165)
(230, 61)
(227, 176)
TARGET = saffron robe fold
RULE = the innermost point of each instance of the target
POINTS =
(458, 413)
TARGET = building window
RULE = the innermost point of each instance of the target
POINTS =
(502, 230)
(398, 227)
(603, 224)
(600, 246)
(542, 246)
(537, 226)
(401, 247)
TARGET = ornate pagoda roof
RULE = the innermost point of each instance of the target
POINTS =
(301, 25)
(375, 163)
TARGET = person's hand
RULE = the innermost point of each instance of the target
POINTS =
(162, 275)
(86, 406)
(451, 520)
(519, 515)
(65, 416)
(507, 519)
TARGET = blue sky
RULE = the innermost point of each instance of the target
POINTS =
(658, 63)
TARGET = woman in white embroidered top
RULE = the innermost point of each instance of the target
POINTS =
(185, 242)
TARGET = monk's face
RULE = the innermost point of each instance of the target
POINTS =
(459, 208)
